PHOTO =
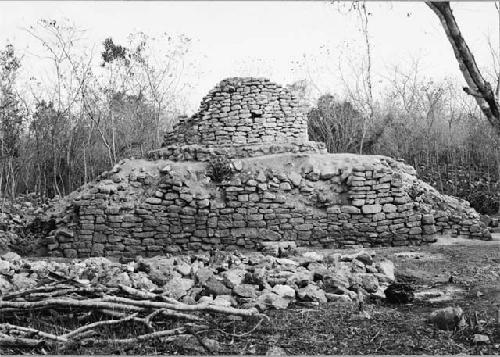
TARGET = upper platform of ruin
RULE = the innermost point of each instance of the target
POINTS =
(243, 111)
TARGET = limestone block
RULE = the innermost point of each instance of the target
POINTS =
(427, 219)
(371, 209)
(350, 209)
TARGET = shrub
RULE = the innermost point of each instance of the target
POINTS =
(220, 168)
(484, 202)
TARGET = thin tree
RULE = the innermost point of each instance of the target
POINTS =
(363, 15)
(11, 120)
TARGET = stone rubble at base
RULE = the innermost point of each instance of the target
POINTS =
(224, 279)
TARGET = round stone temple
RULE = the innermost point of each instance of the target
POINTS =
(243, 111)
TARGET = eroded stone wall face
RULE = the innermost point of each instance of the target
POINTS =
(320, 209)
(205, 153)
(243, 111)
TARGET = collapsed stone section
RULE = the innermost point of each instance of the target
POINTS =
(320, 200)
(243, 111)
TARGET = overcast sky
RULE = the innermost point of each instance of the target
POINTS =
(285, 41)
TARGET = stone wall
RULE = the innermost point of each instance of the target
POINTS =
(204, 153)
(243, 111)
(162, 206)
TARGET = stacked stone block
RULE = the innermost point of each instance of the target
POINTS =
(365, 206)
(241, 111)
(457, 225)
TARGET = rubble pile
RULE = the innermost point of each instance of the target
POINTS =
(173, 298)
(450, 215)
(23, 222)
(245, 281)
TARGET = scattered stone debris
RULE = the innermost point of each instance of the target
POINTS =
(276, 351)
(419, 255)
(224, 279)
(480, 338)
(23, 223)
(439, 295)
(184, 286)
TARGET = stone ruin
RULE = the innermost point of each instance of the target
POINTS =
(285, 189)
(240, 118)
(242, 111)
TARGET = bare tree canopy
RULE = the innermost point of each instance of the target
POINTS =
(478, 86)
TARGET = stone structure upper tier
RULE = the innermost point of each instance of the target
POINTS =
(243, 111)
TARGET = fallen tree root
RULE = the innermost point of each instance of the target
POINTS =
(167, 337)
(6, 327)
(122, 305)
(182, 307)
(91, 303)
(149, 336)
(8, 341)
(80, 331)
(57, 290)
(180, 315)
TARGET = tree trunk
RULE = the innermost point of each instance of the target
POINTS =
(69, 162)
(364, 20)
(498, 177)
(479, 88)
(13, 180)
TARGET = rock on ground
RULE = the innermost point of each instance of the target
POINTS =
(448, 318)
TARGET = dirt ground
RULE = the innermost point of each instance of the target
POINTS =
(469, 272)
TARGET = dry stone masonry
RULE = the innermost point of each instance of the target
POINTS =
(240, 117)
(243, 111)
(284, 190)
